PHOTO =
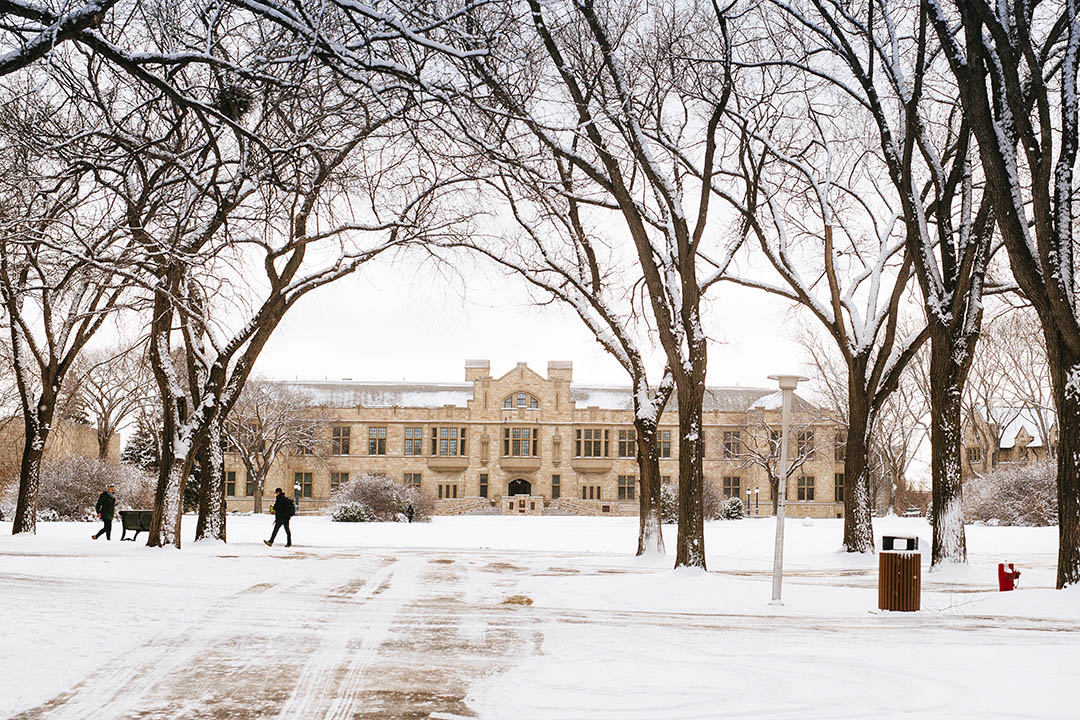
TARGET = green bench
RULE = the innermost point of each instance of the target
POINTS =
(137, 520)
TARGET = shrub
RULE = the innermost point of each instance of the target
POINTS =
(1013, 495)
(70, 487)
(732, 509)
(712, 500)
(377, 498)
(350, 512)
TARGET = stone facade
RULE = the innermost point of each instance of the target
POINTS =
(559, 446)
(1007, 435)
(67, 440)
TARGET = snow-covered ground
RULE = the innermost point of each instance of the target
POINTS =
(391, 620)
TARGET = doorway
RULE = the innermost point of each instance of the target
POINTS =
(519, 487)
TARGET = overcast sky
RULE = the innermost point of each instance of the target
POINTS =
(408, 321)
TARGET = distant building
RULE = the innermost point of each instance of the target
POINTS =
(1007, 435)
(525, 443)
(67, 440)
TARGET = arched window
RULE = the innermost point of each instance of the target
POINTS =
(521, 400)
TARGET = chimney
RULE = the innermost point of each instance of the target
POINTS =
(477, 369)
(560, 370)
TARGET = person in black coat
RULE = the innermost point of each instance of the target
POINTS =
(106, 508)
(284, 508)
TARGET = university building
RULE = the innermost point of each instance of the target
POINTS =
(524, 443)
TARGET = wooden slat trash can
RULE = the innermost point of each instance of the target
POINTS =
(900, 574)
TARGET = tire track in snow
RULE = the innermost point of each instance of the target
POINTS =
(115, 690)
(378, 603)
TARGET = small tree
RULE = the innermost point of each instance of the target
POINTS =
(377, 498)
(268, 419)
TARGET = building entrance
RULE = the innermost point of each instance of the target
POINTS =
(519, 487)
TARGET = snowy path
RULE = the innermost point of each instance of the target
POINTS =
(399, 622)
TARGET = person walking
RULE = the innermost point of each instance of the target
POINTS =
(106, 508)
(410, 513)
(284, 508)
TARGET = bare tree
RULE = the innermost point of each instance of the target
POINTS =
(112, 384)
(55, 300)
(760, 444)
(1016, 72)
(595, 97)
(268, 420)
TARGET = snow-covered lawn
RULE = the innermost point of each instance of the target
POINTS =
(390, 620)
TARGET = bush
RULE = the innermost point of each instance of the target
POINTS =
(377, 498)
(712, 500)
(70, 487)
(350, 512)
(732, 509)
(1013, 495)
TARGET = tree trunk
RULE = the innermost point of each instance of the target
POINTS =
(36, 424)
(259, 487)
(690, 389)
(946, 393)
(1065, 375)
(650, 535)
(211, 524)
(168, 499)
(858, 527)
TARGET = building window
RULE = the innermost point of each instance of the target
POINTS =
(665, 479)
(665, 443)
(804, 443)
(339, 440)
(230, 483)
(305, 447)
(974, 454)
(840, 451)
(337, 479)
(805, 489)
(592, 442)
(447, 491)
(412, 480)
(447, 441)
(520, 442)
(249, 487)
(590, 492)
(732, 487)
(838, 487)
(731, 443)
(627, 443)
(302, 483)
(556, 487)
(483, 485)
(626, 487)
(521, 400)
(376, 444)
(414, 438)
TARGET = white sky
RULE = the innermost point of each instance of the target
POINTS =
(408, 321)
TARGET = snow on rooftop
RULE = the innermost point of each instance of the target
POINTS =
(344, 393)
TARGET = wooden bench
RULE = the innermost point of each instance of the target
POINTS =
(137, 520)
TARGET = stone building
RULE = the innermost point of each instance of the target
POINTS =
(525, 443)
(1007, 435)
(67, 440)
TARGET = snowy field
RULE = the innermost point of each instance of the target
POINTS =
(388, 621)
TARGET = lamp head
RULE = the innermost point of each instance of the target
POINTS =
(788, 382)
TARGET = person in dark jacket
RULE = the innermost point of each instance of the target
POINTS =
(106, 508)
(284, 508)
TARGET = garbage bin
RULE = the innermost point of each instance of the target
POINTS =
(899, 574)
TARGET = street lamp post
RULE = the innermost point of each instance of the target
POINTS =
(757, 501)
(747, 502)
(787, 384)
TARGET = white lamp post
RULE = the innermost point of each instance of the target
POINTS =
(787, 383)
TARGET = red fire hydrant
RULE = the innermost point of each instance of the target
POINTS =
(1008, 576)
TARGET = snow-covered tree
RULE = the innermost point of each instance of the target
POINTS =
(1015, 66)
